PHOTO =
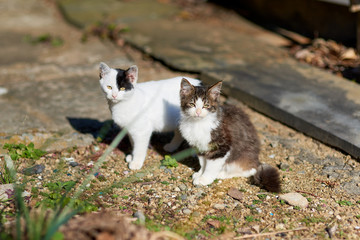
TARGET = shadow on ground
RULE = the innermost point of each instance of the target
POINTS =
(106, 131)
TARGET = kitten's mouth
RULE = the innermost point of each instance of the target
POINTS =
(197, 116)
(114, 100)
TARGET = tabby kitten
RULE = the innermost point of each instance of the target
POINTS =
(226, 140)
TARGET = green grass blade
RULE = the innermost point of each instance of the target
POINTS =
(59, 220)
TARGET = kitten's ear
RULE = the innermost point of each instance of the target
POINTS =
(104, 69)
(132, 74)
(214, 90)
(186, 87)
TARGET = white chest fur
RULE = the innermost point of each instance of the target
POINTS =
(197, 131)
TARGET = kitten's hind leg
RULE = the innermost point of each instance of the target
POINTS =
(175, 142)
(231, 170)
(141, 143)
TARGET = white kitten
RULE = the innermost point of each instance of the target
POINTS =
(142, 108)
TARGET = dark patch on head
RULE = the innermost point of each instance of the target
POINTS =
(199, 92)
(122, 81)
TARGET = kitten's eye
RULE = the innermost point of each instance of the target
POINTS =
(109, 87)
(191, 105)
(122, 89)
(206, 106)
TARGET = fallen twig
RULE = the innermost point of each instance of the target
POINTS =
(147, 183)
(331, 184)
(270, 233)
(299, 191)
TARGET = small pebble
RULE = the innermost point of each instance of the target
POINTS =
(284, 166)
(37, 169)
(4, 189)
(25, 194)
(295, 199)
(291, 158)
(74, 164)
(219, 206)
(3, 91)
(186, 211)
(256, 228)
(280, 226)
(140, 215)
(274, 144)
(176, 189)
(183, 197)
(168, 171)
(272, 156)
(199, 193)
(196, 214)
(182, 187)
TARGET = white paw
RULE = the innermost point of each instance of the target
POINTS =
(128, 158)
(170, 147)
(134, 165)
(202, 181)
(196, 175)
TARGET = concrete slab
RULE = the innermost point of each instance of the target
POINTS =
(88, 12)
(46, 105)
(197, 47)
(50, 95)
(316, 103)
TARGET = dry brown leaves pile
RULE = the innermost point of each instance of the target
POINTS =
(331, 55)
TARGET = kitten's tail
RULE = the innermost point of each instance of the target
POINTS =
(268, 178)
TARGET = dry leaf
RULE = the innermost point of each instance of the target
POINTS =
(234, 193)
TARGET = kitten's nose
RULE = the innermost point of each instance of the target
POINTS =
(114, 96)
(198, 112)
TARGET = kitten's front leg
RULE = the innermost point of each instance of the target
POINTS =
(211, 171)
(129, 157)
(141, 143)
(175, 142)
(202, 166)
